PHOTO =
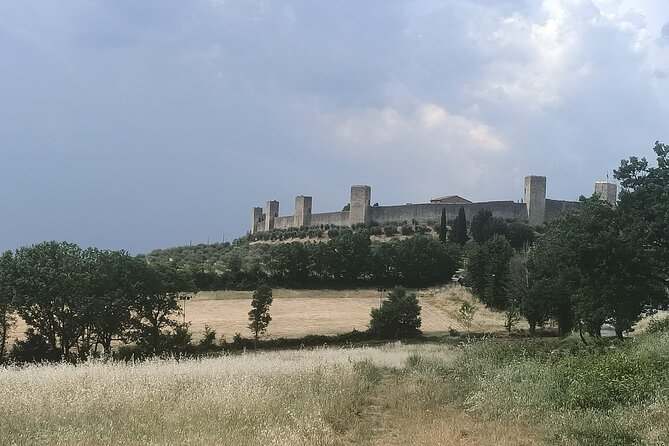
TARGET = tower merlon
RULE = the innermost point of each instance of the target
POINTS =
(607, 191)
(361, 196)
(535, 199)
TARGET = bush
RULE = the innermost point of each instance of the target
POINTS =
(398, 317)
(602, 382)
(389, 231)
(208, 341)
(422, 229)
(407, 230)
(333, 233)
(375, 230)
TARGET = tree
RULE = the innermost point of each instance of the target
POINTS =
(466, 314)
(485, 226)
(156, 306)
(398, 317)
(7, 277)
(422, 261)
(443, 227)
(643, 206)
(520, 235)
(51, 293)
(591, 270)
(488, 272)
(459, 232)
(114, 288)
(259, 317)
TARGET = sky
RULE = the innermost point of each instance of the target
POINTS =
(138, 125)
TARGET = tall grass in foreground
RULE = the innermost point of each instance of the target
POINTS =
(610, 394)
(286, 398)
(501, 392)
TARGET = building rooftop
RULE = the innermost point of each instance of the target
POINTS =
(450, 199)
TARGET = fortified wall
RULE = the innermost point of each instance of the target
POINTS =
(535, 208)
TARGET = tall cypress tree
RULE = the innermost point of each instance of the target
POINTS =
(459, 232)
(443, 227)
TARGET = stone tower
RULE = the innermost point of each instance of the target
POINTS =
(535, 199)
(607, 191)
(256, 225)
(302, 211)
(271, 212)
(360, 199)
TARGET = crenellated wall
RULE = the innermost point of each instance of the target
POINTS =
(535, 209)
(432, 212)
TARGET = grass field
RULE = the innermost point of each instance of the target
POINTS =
(504, 392)
(296, 313)
(317, 397)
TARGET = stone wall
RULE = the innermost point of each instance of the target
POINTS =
(432, 212)
(535, 208)
(283, 222)
(330, 218)
(556, 207)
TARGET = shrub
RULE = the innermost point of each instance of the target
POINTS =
(602, 382)
(422, 229)
(375, 230)
(407, 230)
(208, 341)
(333, 233)
(389, 231)
(398, 317)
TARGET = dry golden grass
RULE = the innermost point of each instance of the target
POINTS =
(297, 313)
(642, 325)
(449, 426)
(307, 397)
(447, 301)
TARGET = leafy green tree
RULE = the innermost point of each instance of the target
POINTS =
(422, 261)
(459, 233)
(589, 269)
(443, 227)
(488, 272)
(644, 208)
(347, 256)
(156, 307)
(259, 317)
(114, 288)
(398, 317)
(288, 264)
(51, 293)
(485, 226)
(7, 285)
(520, 235)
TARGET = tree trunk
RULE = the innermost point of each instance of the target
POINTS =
(619, 333)
(533, 328)
(580, 333)
(3, 338)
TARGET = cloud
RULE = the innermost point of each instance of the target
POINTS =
(216, 106)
